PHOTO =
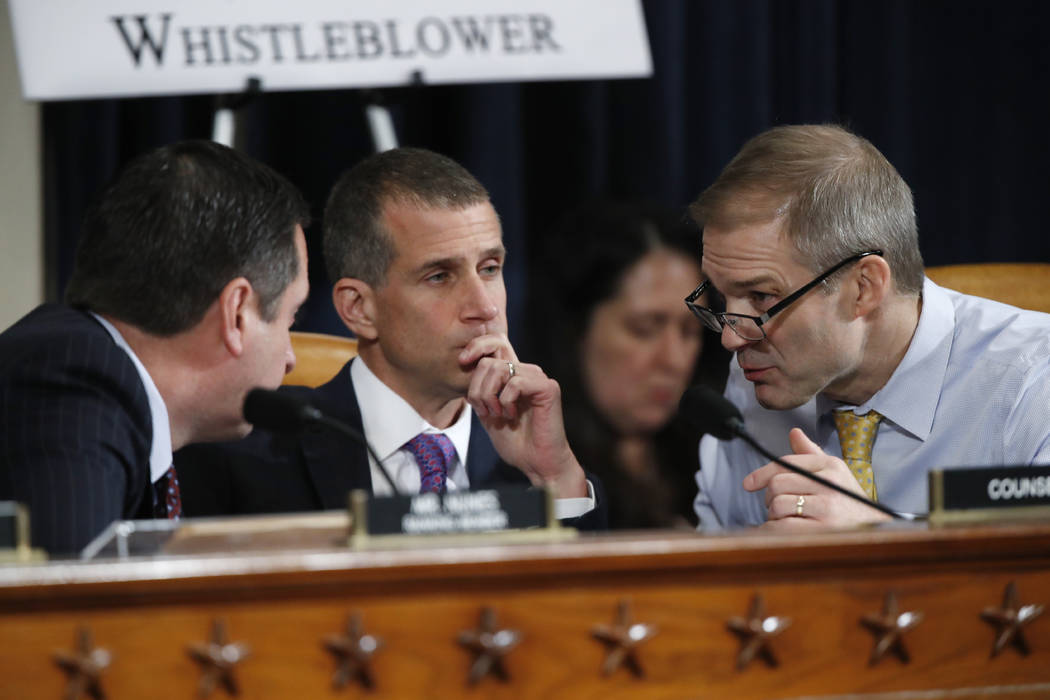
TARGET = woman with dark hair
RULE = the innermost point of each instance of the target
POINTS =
(609, 323)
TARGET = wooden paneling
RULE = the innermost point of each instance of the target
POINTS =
(284, 604)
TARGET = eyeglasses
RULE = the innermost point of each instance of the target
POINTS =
(750, 327)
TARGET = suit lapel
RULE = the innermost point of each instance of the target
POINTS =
(335, 463)
(481, 455)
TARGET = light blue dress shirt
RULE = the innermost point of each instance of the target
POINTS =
(973, 389)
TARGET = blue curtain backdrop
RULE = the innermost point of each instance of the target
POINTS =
(954, 93)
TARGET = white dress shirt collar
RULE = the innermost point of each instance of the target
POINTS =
(160, 456)
(389, 421)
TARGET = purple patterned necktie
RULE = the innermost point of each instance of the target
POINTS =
(433, 452)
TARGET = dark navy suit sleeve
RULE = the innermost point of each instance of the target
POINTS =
(598, 517)
(76, 428)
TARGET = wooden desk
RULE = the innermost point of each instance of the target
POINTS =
(283, 604)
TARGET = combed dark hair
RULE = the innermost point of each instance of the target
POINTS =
(837, 193)
(583, 263)
(355, 243)
(176, 226)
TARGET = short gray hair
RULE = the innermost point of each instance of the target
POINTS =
(836, 192)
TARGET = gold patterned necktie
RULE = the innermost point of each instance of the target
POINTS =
(857, 437)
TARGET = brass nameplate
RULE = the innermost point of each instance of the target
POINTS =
(989, 493)
(14, 534)
(508, 513)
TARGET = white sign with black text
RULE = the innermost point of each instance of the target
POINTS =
(109, 48)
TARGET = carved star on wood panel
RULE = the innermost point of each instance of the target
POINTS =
(217, 658)
(623, 638)
(489, 645)
(1009, 620)
(889, 627)
(756, 632)
(84, 666)
(353, 651)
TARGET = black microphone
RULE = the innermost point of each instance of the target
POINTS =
(280, 412)
(716, 415)
(711, 413)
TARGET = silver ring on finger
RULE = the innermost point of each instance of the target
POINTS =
(510, 367)
(798, 506)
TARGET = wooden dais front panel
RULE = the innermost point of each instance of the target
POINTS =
(629, 616)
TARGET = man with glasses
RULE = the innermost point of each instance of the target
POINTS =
(843, 347)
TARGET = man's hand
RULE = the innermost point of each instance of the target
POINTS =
(822, 507)
(522, 415)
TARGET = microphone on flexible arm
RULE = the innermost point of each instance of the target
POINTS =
(716, 415)
(279, 412)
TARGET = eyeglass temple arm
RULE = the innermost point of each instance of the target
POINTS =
(792, 297)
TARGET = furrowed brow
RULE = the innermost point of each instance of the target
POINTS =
(750, 283)
(453, 262)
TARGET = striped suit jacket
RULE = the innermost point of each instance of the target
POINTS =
(75, 428)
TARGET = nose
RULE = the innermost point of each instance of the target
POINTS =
(678, 350)
(480, 300)
(731, 341)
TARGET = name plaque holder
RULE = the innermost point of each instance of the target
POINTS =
(985, 494)
(14, 534)
(485, 516)
(497, 516)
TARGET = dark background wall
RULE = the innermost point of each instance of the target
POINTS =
(955, 93)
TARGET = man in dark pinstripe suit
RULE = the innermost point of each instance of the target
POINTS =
(190, 270)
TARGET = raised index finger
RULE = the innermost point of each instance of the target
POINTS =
(759, 479)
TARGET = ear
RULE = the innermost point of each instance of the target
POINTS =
(237, 306)
(874, 281)
(354, 301)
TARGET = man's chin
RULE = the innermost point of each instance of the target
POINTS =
(775, 399)
(455, 384)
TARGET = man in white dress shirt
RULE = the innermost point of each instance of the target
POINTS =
(810, 248)
(416, 253)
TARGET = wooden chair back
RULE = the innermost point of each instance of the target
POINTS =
(318, 357)
(1026, 285)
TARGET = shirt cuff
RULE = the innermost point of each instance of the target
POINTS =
(565, 508)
